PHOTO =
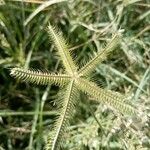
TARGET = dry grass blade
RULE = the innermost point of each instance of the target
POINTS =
(40, 8)
(31, 1)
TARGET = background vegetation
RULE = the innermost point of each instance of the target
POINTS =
(27, 111)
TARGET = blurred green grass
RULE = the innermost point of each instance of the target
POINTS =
(27, 112)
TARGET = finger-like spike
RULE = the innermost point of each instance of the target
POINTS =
(100, 56)
(113, 99)
(65, 114)
(63, 50)
(39, 77)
